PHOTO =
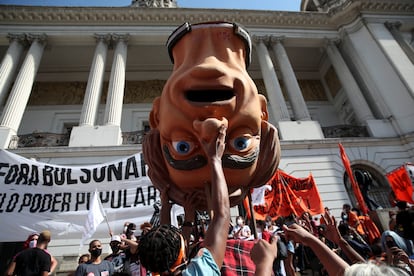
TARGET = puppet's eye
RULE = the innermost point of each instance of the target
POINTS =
(183, 147)
(241, 143)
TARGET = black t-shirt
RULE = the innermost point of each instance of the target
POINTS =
(32, 262)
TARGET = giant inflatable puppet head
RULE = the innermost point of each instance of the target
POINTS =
(210, 86)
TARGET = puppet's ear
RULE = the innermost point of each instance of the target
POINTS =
(153, 117)
(263, 104)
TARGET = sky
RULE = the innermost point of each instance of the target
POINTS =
(281, 5)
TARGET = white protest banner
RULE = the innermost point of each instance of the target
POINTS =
(35, 196)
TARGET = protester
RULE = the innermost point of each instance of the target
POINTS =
(241, 230)
(351, 218)
(332, 233)
(35, 261)
(163, 249)
(262, 231)
(373, 269)
(333, 264)
(84, 258)
(118, 258)
(396, 247)
(129, 230)
(352, 238)
(95, 266)
(31, 242)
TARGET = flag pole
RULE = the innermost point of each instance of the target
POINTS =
(253, 217)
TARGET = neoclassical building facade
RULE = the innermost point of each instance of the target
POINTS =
(77, 83)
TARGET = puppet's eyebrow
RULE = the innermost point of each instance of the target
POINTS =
(192, 163)
(233, 161)
(199, 161)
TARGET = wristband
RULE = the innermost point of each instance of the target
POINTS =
(188, 223)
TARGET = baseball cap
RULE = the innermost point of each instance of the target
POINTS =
(116, 238)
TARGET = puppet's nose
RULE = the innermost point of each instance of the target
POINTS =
(209, 128)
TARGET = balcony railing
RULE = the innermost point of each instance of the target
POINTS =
(345, 131)
(47, 139)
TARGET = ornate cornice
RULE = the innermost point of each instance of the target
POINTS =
(133, 16)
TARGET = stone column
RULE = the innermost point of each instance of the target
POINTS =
(113, 110)
(402, 64)
(300, 110)
(94, 87)
(277, 103)
(394, 29)
(20, 93)
(10, 62)
(351, 88)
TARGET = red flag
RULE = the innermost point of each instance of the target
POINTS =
(401, 184)
(355, 187)
(290, 195)
(306, 193)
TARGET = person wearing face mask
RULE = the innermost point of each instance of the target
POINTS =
(118, 257)
(240, 230)
(129, 230)
(36, 260)
(96, 266)
(31, 242)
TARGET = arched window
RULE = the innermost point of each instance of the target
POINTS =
(373, 186)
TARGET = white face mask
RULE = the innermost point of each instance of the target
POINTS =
(239, 221)
(32, 243)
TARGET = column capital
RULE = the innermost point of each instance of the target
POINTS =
(260, 38)
(120, 37)
(276, 39)
(41, 38)
(106, 38)
(332, 41)
(393, 25)
(21, 38)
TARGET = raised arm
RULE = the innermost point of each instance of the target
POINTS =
(332, 234)
(166, 205)
(333, 264)
(216, 236)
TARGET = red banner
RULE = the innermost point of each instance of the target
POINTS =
(290, 195)
(357, 192)
(401, 184)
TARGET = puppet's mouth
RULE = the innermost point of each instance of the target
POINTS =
(209, 96)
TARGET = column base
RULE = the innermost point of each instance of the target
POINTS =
(300, 130)
(5, 137)
(95, 136)
(381, 128)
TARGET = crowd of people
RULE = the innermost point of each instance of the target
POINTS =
(285, 246)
